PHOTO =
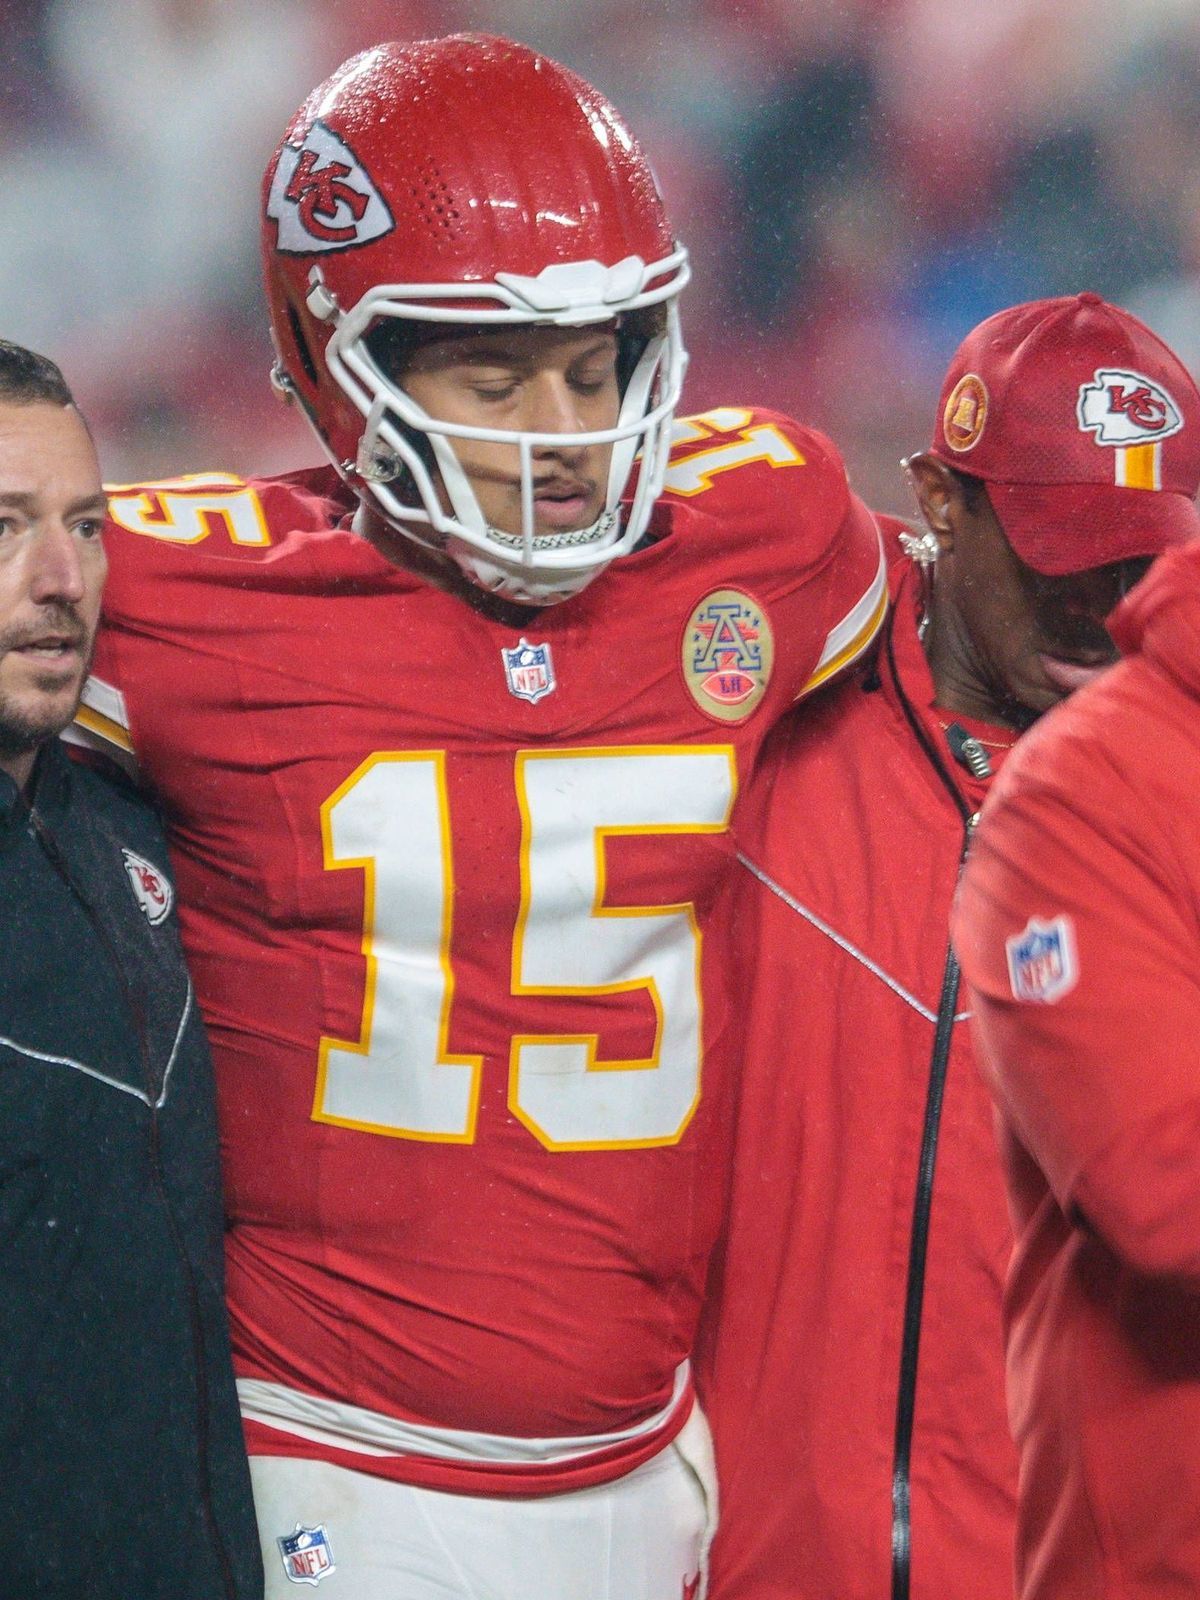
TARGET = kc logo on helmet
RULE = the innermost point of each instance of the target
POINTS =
(1122, 407)
(1042, 965)
(323, 198)
(150, 888)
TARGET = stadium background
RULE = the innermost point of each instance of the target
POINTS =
(859, 181)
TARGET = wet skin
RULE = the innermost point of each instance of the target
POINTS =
(52, 569)
(1005, 643)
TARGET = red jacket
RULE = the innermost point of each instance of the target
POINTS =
(1095, 832)
(852, 840)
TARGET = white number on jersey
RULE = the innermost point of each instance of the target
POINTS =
(391, 819)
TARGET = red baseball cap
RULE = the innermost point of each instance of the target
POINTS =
(1085, 427)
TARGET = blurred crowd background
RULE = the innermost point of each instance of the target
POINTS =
(859, 181)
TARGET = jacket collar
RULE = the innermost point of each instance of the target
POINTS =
(49, 792)
(1161, 617)
(907, 684)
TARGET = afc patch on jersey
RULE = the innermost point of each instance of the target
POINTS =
(151, 889)
(1042, 964)
(728, 654)
(529, 669)
(306, 1554)
(322, 197)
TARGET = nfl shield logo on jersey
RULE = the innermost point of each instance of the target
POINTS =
(529, 670)
(150, 888)
(306, 1553)
(1042, 965)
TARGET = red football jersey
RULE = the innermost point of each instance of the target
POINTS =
(443, 885)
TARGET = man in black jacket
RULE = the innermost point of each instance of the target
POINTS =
(122, 1469)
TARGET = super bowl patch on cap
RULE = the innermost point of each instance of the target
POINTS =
(966, 413)
(728, 654)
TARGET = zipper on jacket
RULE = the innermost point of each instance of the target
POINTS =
(200, 1363)
(53, 853)
(914, 1295)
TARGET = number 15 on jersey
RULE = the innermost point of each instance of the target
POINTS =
(391, 820)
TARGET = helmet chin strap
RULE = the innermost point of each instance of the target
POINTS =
(407, 460)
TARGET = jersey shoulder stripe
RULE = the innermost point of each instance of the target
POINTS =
(102, 724)
(850, 638)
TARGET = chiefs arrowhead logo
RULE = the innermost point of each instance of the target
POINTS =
(1120, 407)
(322, 197)
(151, 889)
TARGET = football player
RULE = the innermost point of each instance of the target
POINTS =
(448, 734)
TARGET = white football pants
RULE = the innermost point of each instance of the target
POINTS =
(644, 1537)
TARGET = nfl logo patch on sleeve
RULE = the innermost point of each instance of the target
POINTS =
(1042, 964)
(306, 1554)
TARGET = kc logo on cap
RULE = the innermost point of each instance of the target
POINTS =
(1069, 410)
(1132, 415)
(1122, 407)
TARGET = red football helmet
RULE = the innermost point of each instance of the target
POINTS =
(471, 182)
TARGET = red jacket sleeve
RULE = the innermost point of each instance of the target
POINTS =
(1099, 1078)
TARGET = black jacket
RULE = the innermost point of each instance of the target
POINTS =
(122, 1470)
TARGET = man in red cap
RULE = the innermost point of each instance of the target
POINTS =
(1078, 926)
(852, 1364)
